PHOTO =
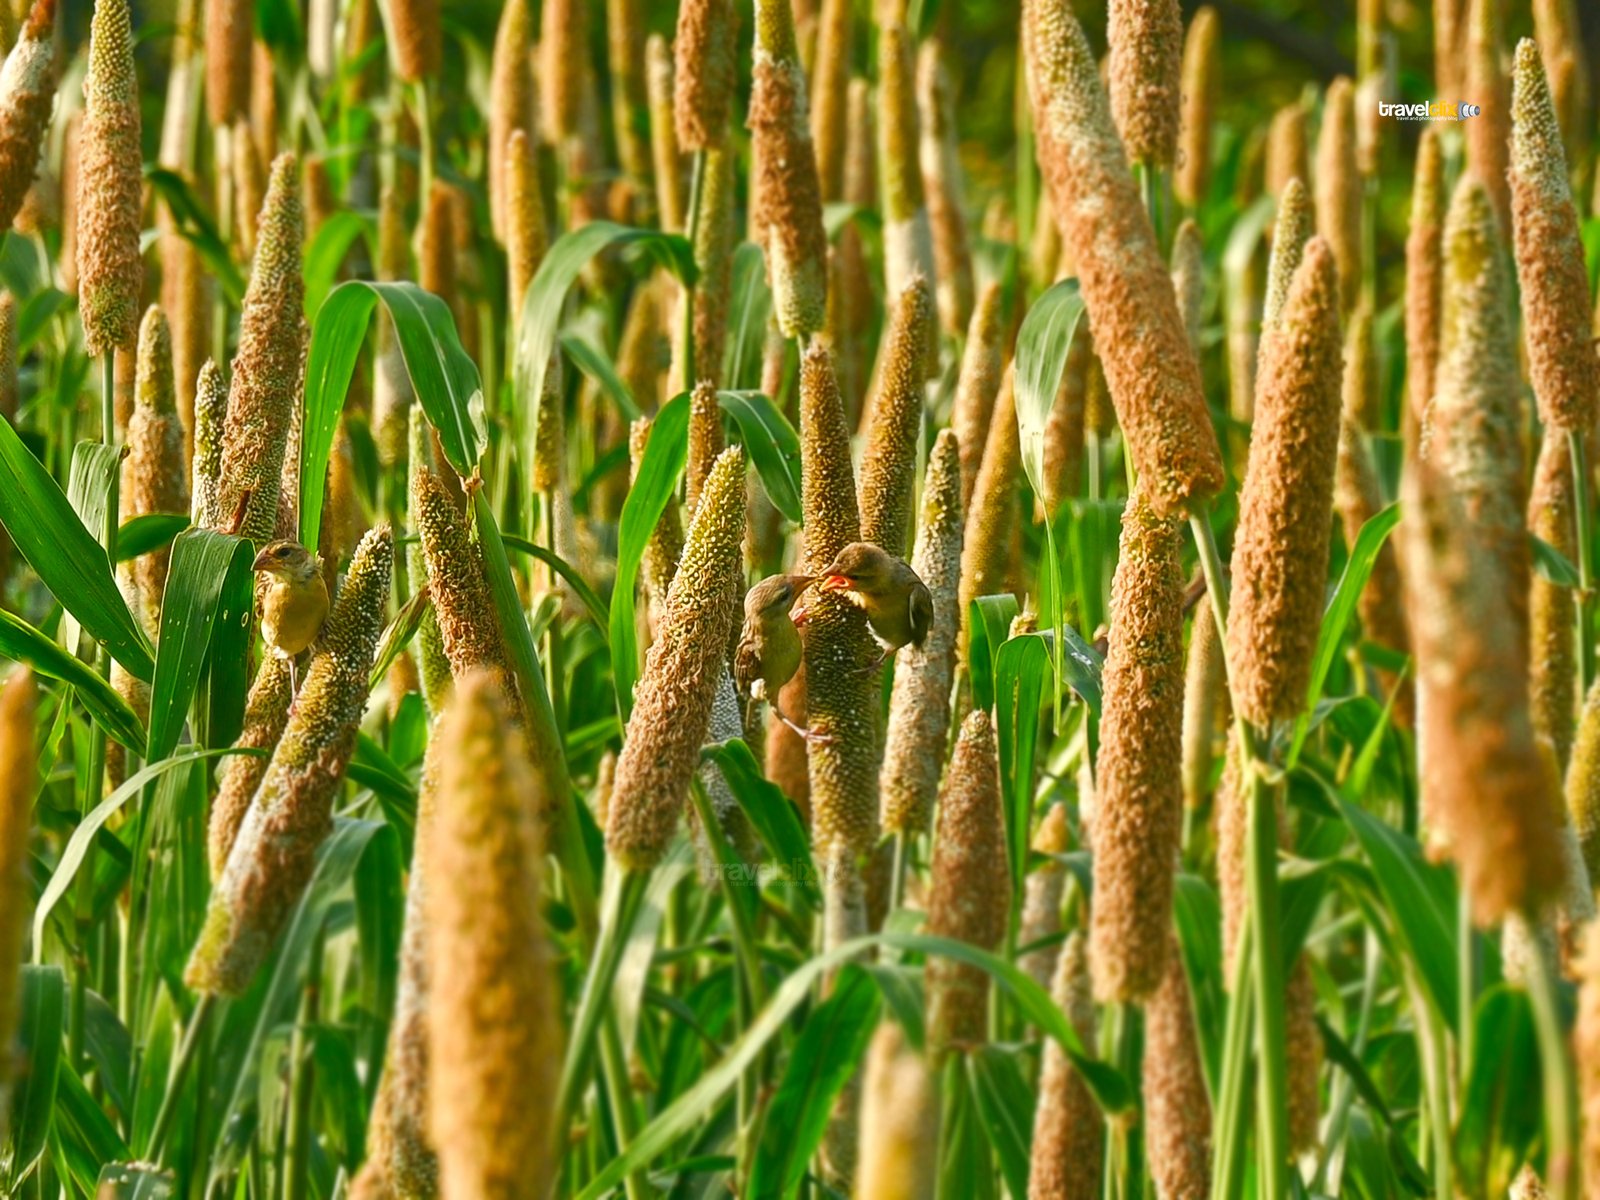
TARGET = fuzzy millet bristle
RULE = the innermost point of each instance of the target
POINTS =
(266, 711)
(110, 179)
(1202, 78)
(889, 459)
(27, 94)
(1068, 1127)
(706, 53)
(418, 40)
(1146, 38)
(154, 476)
(1177, 1107)
(1424, 251)
(1339, 185)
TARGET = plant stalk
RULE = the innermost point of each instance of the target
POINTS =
(1583, 536)
(1560, 1088)
(193, 1036)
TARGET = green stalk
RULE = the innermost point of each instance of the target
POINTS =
(1331, 1168)
(424, 140)
(299, 1135)
(1272, 1084)
(1436, 1086)
(1580, 511)
(193, 1036)
(613, 1064)
(1228, 1144)
(1560, 1087)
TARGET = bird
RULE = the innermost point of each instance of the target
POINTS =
(898, 605)
(293, 599)
(769, 650)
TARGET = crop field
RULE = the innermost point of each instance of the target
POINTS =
(799, 599)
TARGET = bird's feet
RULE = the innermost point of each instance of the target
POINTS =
(812, 736)
(876, 663)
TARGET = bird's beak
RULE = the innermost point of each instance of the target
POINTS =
(261, 563)
(835, 583)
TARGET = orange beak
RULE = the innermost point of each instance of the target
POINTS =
(261, 563)
(835, 583)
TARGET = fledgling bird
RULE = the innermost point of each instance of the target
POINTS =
(293, 599)
(769, 650)
(898, 605)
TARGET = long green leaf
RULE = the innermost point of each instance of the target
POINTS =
(65, 556)
(1021, 669)
(141, 535)
(44, 1007)
(1043, 342)
(773, 445)
(21, 641)
(770, 811)
(652, 490)
(195, 226)
(444, 379)
(326, 254)
(1498, 1126)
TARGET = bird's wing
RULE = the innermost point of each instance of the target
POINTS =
(921, 612)
(746, 665)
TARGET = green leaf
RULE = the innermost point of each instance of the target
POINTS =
(1498, 1125)
(208, 582)
(574, 578)
(43, 1016)
(539, 312)
(444, 379)
(1552, 564)
(989, 624)
(141, 535)
(326, 254)
(1043, 342)
(823, 1060)
(599, 368)
(653, 489)
(196, 227)
(397, 636)
(21, 641)
(1006, 1105)
(134, 1181)
(773, 445)
(83, 1136)
(36, 313)
(1022, 668)
(770, 811)
(67, 559)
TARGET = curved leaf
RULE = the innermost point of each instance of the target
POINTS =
(773, 445)
(23, 642)
(141, 535)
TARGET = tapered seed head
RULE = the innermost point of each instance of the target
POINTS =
(919, 705)
(1177, 1107)
(274, 853)
(1280, 552)
(970, 889)
(1068, 1128)
(19, 772)
(830, 77)
(944, 185)
(249, 187)
(227, 42)
(494, 1008)
(899, 1121)
(563, 68)
(672, 704)
(155, 478)
(1424, 244)
(665, 150)
(1303, 1057)
(1202, 67)
(1549, 256)
(267, 367)
(706, 442)
(978, 384)
(1290, 234)
(1146, 38)
(1205, 700)
(861, 161)
(1042, 895)
(1188, 278)
(512, 105)
(713, 255)
(899, 176)
(1138, 813)
(1339, 185)
(790, 196)
(418, 39)
(210, 418)
(266, 711)
(1583, 780)
(1153, 376)
(1489, 133)
(110, 176)
(527, 226)
(706, 52)
(986, 548)
(1288, 152)
(27, 94)
(889, 460)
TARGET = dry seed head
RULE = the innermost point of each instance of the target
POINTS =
(919, 705)
(898, 172)
(154, 476)
(526, 229)
(665, 152)
(1138, 813)
(494, 1008)
(1288, 151)
(10, 394)
(436, 245)
(625, 57)
(227, 42)
(713, 256)
(899, 1121)
(563, 73)
(71, 146)
(830, 78)
(1583, 781)
(511, 106)
(418, 38)
(186, 299)
(1189, 279)
(1586, 1048)
(249, 186)
(1202, 75)
(27, 95)
(889, 460)
(275, 850)
(110, 178)
(982, 362)
(1473, 428)
(1489, 790)
(790, 198)
(19, 770)
(1549, 256)
(1042, 895)
(971, 886)
(665, 547)
(706, 52)
(434, 666)
(992, 516)
(263, 101)
(1280, 551)
(1068, 1128)
(1489, 134)
(706, 442)
(1205, 700)
(1304, 1057)
(1560, 40)
(944, 185)
(1290, 234)
(861, 160)
(210, 418)
(266, 711)
(1339, 185)
(267, 366)
(1424, 249)
(1361, 392)
(1146, 66)
(1177, 1107)
(1154, 378)
(1552, 608)
(674, 697)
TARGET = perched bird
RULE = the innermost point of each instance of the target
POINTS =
(898, 605)
(769, 647)
(293, 599)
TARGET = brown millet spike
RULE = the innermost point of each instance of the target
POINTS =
(1138, 813)
(889, 459)
(1177, 1107)
(1202, 75)
(1424, 272)
(27, 95)
(1153, 376)
(1068, 1127)
(1339, 186)
(1552, 608)
(977, 385)
(706, 52)
(1146, 69)
(1280, 550)
(227, 43)
(110, 179)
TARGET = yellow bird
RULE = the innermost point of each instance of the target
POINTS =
(898, 605)
(293, 599)
(769, 650)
